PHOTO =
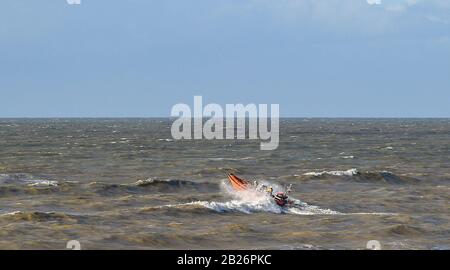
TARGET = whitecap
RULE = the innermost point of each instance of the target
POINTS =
(350, 172)
(252, 201)
(11, 213)
(166, 140)
(42, 183)
(230, 159)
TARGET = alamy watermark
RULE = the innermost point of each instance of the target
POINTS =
(73, 245)
(373, 245)
(255, 117)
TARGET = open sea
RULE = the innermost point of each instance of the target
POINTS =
(126, 184)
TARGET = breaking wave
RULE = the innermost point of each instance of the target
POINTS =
(43, 183)
(26, 179)
(23, 183)
(252, 201)
(357, 175)
(230, 159)
(153, 185)
(37, 216)
(350, 172)
(262, 206)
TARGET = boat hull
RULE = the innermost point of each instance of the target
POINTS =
(237, 183)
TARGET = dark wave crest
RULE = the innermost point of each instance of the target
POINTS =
(153, 185)
(37, 216)
(27, 184)
(356, 175)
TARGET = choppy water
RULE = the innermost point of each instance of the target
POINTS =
(124, 183)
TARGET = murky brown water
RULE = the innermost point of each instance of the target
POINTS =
(124, 184)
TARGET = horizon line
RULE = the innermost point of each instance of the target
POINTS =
(174, 117)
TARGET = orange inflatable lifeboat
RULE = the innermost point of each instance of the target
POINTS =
(238, 183)
(281, 198)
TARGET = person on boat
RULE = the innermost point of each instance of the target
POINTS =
(281, 198)
(288, 189)
(262, 188)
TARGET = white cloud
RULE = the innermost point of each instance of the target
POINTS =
(441, 41)
(436, 19)
(374, 2)
(365, 17)
(396, 7)
(400, 5)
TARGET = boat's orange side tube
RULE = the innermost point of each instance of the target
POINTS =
(237, 183)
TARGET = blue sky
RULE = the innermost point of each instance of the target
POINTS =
(316, 58)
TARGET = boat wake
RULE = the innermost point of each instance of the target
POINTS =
(263, 206)
(252, 201)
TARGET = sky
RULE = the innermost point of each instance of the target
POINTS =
(138, 58)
